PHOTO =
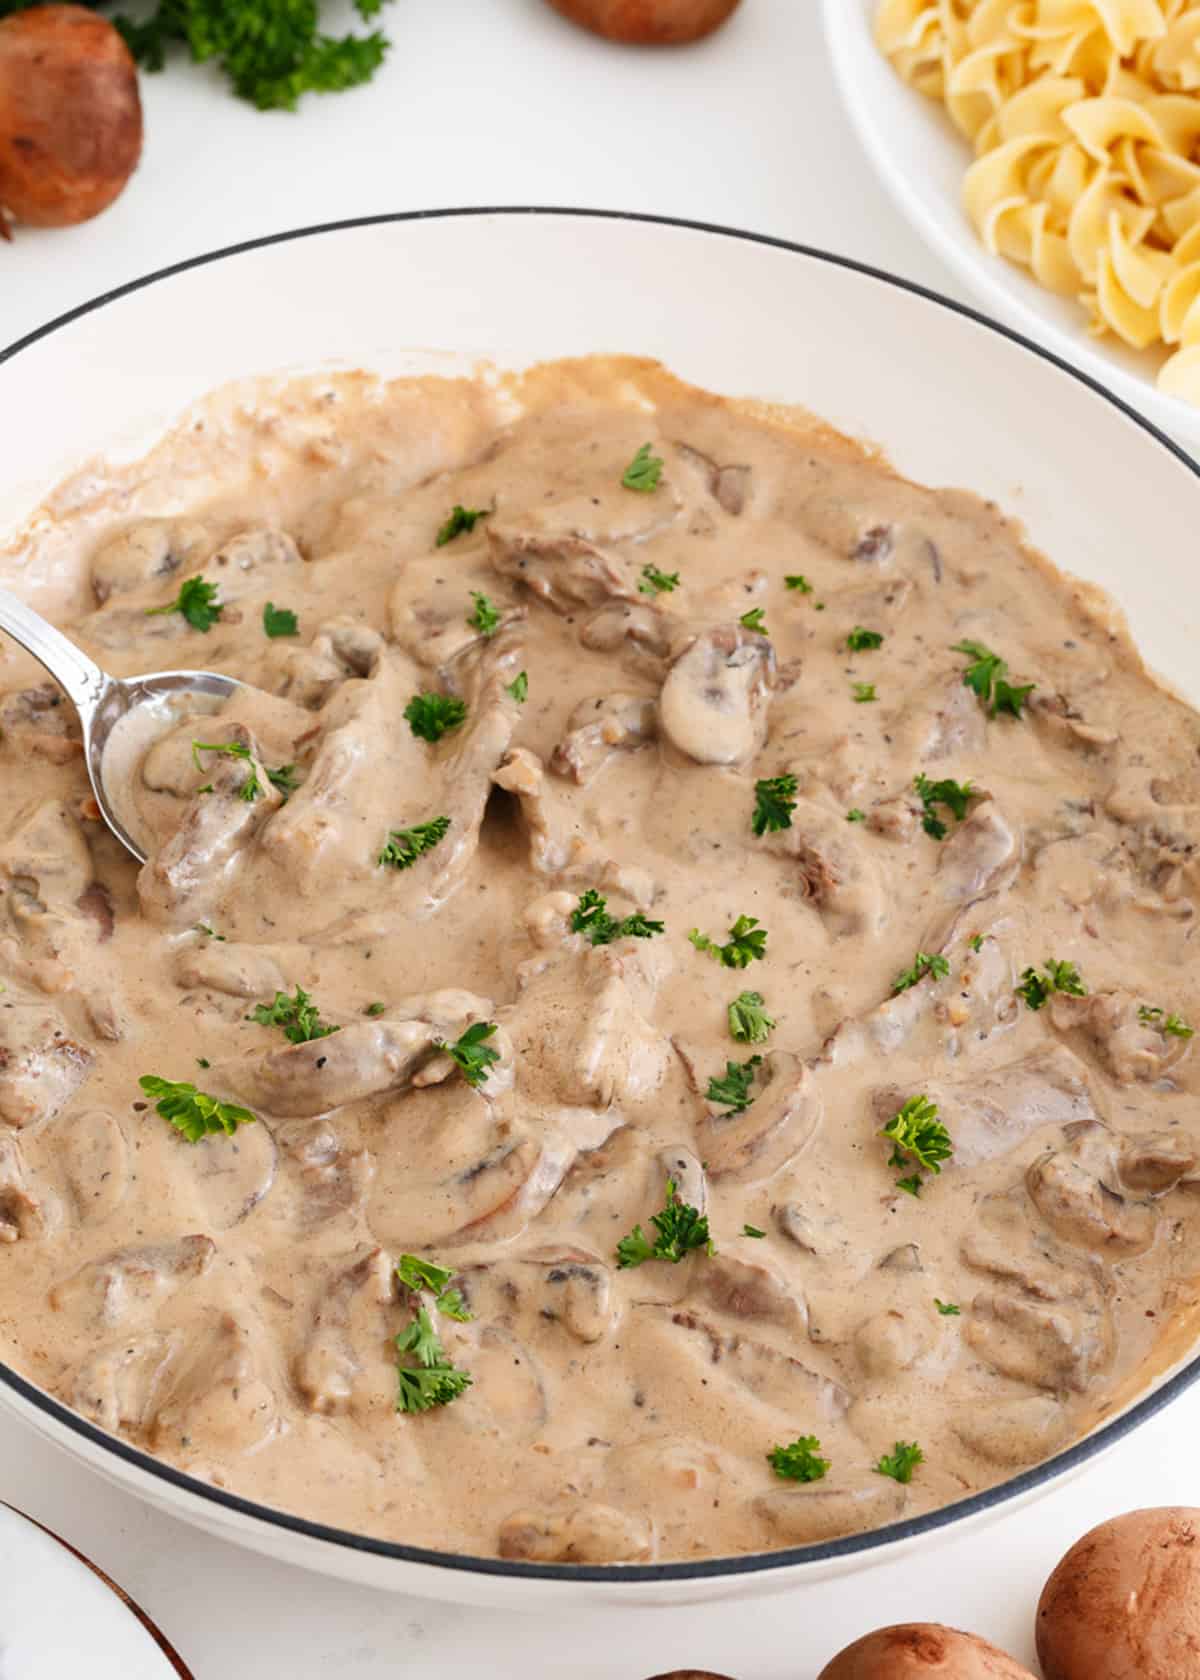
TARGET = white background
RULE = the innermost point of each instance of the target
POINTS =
(501, 102)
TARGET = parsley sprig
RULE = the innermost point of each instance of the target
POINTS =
(279, 621)
(753, 620)
(193, 1113)
(644, 471)
(947, 1308)
(900, 1463)
(798, 581)
(458, 521)
(404, 846)
(1174, 1026)
(747, 942)
(484, 617)
(430, 716)
(749, 1022)
(654, 582)
(472, 1055)
(299, 1017)
(416, 1274)
(799, 1461)
(918, 1134)
(1056, 976)
(519, 687)
(922, 964)
(987, 675)
(197, 601)
(679, 1231)
(590, 917)
(955, 796)
(732, 1089)
(775, 800)
(433, 1380)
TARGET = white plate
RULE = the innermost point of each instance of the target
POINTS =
(921, 158)
(60, 1616)
(952, 398)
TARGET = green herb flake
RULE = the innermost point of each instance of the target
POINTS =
(800, 1461)
(279, 621)
(864, 693)
(900, 1463)
(654, 582)
(775, 800)
(923, 963)
(251, 787)
(955, 796)
(753, 620)
(404, 846)
(197, 601)
(375, 1008)
(193, 1113)
(747, 943)
(1174, 1026)
(458, 522)
(430, 716)
(752, 1231)
(732, 1090)
(519, 688)
(298, 1016)
(1056, 976)
(947, 1308)
(749, 1022)
(483, 617)
(856, 816)
(987, 676)
(798, 581)
(590, 917)
(859, 640)
(644, 471)
(680, 1230)
(471, 1054)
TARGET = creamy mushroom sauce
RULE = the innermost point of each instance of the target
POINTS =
(231, 1305)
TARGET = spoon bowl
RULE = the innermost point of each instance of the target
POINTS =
(121, 717)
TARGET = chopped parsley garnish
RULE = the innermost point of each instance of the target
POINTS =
(922, 965)
(749, 1022)
(863, 693)
(800, 1461)
(987, 676)
(430, 716)
(285, 778)
(855, 815)
(775, 800)
(955, 796)
(433, 1381)
(203, 927)
(733, 1088)
(1173, 1025)
(976, 942)
(417, 1274)
(519, 688)
(679, 1231)
(591, 918)
(484, 616)
(460, 520)
(470, 1053)
(918, 1134)
(752, 1231)
(404, 846)
(859, 639)
(654, 582)
(644, 471)
(797, 580)
(197, 601)
(753, 620)
(279, 621)
(747, 941)
(193, 1112)
(947, 1308)
(203, 1061)
(375, 1008)
(900, 1463)
(251, 787)
(298, 1016)
(1056, 976)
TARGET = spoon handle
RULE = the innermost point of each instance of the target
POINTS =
(82, 680)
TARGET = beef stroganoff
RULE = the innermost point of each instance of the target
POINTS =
(657, 1024)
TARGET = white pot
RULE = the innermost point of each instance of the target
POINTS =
(952, 399)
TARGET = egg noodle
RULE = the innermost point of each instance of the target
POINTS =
(1085, 119)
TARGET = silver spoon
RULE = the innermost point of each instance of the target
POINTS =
(114, 711)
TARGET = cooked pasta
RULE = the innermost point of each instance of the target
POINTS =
(1085, 120)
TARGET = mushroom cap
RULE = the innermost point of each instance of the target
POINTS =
(923, 1651)
(1124, 1603)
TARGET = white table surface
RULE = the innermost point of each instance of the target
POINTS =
(494, 102)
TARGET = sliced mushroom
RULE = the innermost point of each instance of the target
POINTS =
(231, 1174)
(93, 1155)
(773, 1376)
(131, 1283)
(779, 1123)
(713, 706)
(153, 548)
(728, 486)
(1013, 1431)
(890, 1342)
(1067, 1187)
(823, 1510)
(1054, 1345)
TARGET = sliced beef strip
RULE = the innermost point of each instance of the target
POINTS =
(27, 1212)
(714, 703)
(364, 1059)
(599, 727)
(980, 857)
(1129, 1049)
(118, 1386)
(1076, 1189)
(566, 572)
(559, 847)
(49, 898)
(218, 965)
(42, 721)
(835, 871)
(41, 1065)
(327, 1175)
(326, 1366)
(748, 1289)
(130, 1284)
(774, 1377)
(222, 1396)
(556, 1284)
(641, 629)
(1062, 1345)
(585, 1532)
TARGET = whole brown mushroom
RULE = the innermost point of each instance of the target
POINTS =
(690, 1674)
(648, 23)
(70, 115)
(1125, 1601)
(923, 1651)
